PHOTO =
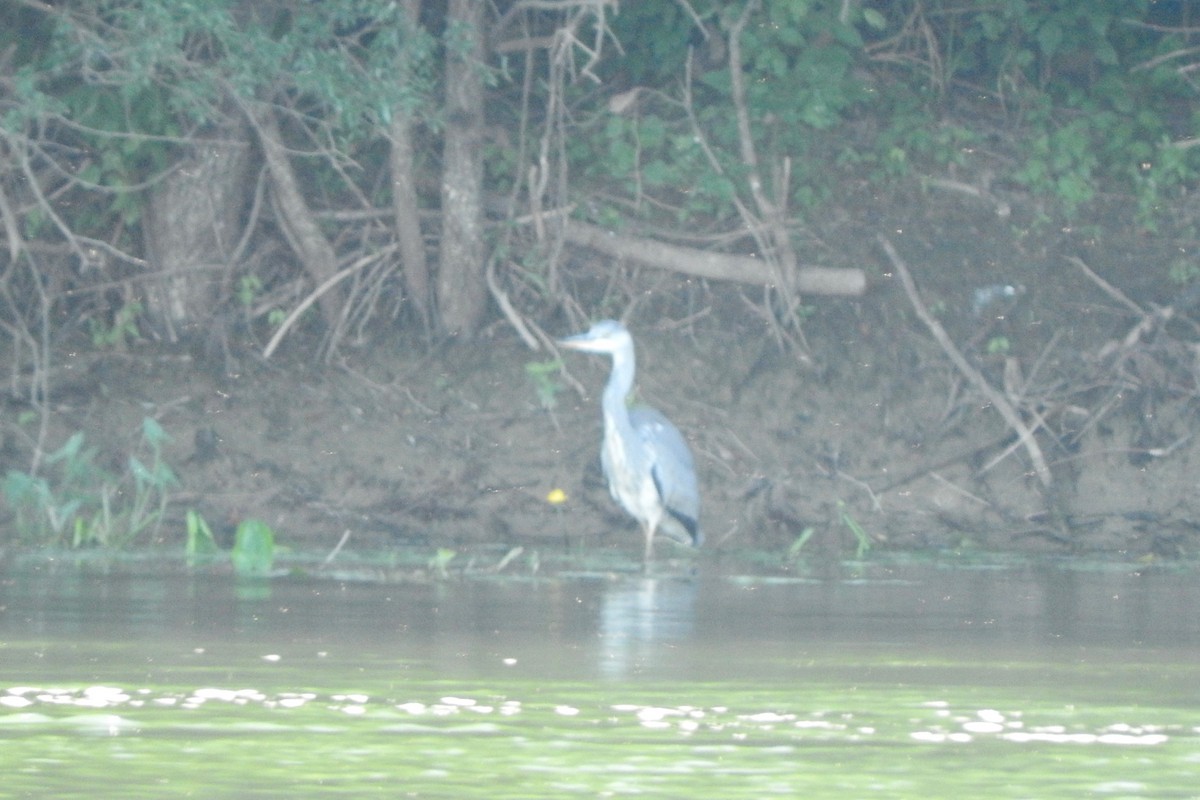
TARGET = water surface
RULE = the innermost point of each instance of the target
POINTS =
(898, 681)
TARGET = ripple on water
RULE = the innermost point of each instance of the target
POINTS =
(940, 722)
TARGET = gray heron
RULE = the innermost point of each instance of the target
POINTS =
(646, 461)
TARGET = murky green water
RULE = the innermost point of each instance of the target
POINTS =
(888, 681)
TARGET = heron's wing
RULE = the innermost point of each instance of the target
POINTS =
(674, 473)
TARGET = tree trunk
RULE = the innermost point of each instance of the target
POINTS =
(294, 216)
(192, 225)
(461, 291)
(405, 205)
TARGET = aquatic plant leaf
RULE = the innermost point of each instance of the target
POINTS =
(253, 548)
(153, 433)
(200, 542)
(21, 487)
(69, 451)
(141, 473)
(156, 476)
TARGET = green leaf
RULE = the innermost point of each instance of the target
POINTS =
(69, 451)
(440, 560)
(140, 473)
(253, 548)
(998, 345)
(793, 551)
(874, 19)
(153, 433)
(200, 541)
(1049, 37)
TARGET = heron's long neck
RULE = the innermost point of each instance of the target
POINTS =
(620, 382)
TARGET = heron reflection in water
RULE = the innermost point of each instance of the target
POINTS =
(645, 625)
(646, 461)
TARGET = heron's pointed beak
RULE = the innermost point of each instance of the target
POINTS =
(579, 342)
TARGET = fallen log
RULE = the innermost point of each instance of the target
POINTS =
(715, 266)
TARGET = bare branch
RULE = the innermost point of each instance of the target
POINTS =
(995, 397)
(296, 219)
(716, 266)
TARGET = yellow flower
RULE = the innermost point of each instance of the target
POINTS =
(556, 497)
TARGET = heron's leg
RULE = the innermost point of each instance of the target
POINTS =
(648, 555)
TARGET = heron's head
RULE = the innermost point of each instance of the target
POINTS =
(608, 337)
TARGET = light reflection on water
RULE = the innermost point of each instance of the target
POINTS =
(641, 620)
(905, 681)
(622, 617)
(98, 710)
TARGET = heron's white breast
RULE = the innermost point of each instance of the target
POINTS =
(630, 482)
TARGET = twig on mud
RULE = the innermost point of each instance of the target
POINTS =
(717, 459)
(732, 531)
(1152, 452)
(316, 295)
(508, 557)
(999, 457)
(1106, 287)
(878, 506)
(954, 487)
(412, 398)
(1148, 322)
(1024, 433)
(1097, 415)
(337, 549)
(930, 469)
(510, 313)
(1003, 209)
(1042, 358)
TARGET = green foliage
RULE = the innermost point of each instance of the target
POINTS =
(77, 503)
(440, 561)
(998, 346)
(137, 78)
(248, 288)
(862, 540)
(657, 153)
(253, 549)
(797, 546)
(547, 387)
(1087, 100)
(1161, 176)
(253, 552)
(247, 292)
(1070, 81)
(123, 330)
(656, 37)
(1183, 271)
(44, 510)
(908, 137)
(1079, 99)
(200, 546)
